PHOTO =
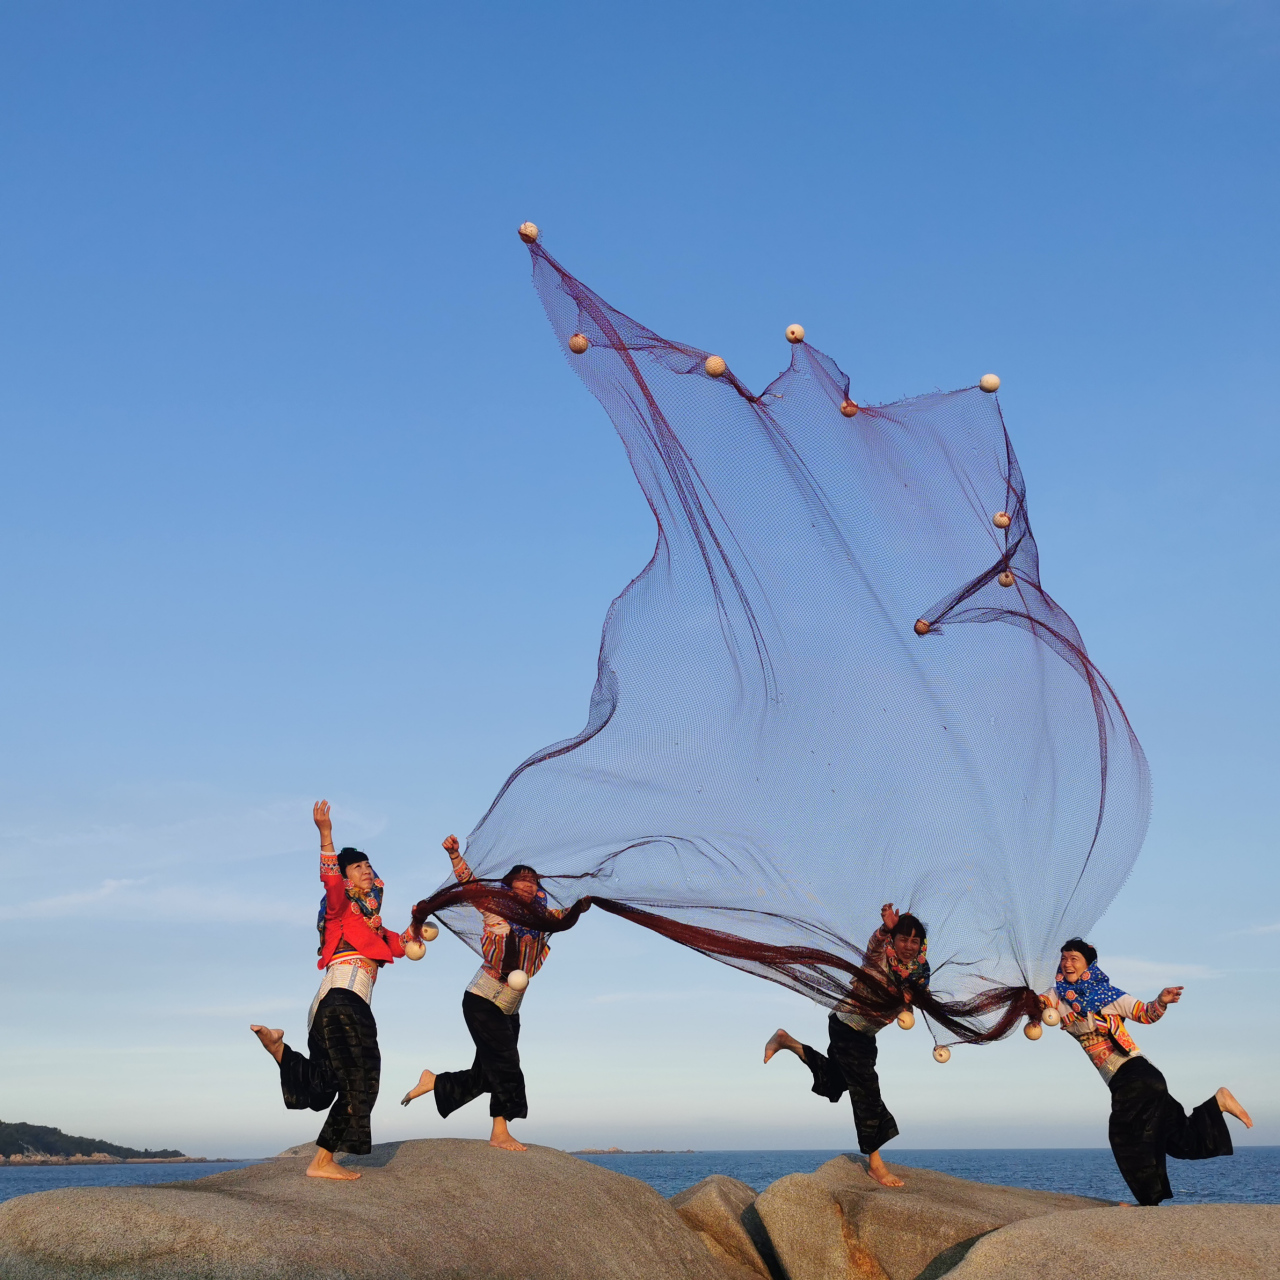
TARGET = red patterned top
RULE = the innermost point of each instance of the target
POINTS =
(344, 922)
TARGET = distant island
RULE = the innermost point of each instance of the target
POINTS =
(618, 1151)
(43, 1144)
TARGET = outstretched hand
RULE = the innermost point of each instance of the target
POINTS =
(1170, 995)
(320, 815)
(450, 845)
(889, 916)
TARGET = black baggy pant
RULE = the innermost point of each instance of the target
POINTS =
(1147, 1125)
(343, 1061)
(850, 1063)
(496, 1069)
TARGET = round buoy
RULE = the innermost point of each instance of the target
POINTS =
(517, 979)
(922, 627)
(415, 950)
(849, 408)
(528, 232)
(1006, 578)
(430, 932)
(578, 343)
(906, 1019)
(1051, 1017)
(989, 382)
(941, 1053)
(715, 366)
(1002, 519)
(795, 333)
(1033, 1031)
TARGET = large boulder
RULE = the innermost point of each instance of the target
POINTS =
(426, 1210)
(1182, 1242)
(720, 1210)
(839, 1222)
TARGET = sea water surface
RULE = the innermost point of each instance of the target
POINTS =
(21, 1180)
(1251, 1176)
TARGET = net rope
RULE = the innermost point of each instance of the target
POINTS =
(819, 696)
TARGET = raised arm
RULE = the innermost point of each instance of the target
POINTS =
(324, 824)
(459, 863)
(1147, 1010)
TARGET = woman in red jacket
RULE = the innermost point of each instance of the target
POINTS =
(342, 1043)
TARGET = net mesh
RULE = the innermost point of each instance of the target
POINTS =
(820, 695)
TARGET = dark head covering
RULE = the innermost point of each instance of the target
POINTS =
(908, 924)
(519, 870)
(1081, 947)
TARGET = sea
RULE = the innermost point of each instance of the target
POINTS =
(1251, 1176)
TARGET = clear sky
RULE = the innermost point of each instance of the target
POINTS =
(300, 500)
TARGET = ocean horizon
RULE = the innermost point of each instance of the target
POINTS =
(1251, 1176)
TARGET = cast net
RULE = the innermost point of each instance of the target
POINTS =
(776, 743)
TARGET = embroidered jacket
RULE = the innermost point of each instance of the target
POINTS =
(1102, 1035)
(345, 922)
(531, 947)
(875, 958)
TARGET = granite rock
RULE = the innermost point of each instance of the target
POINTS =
(719, 1209)
(839, 1222)
(1177, 1242)
(425, 1210)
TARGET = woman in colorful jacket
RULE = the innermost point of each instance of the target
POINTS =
(897, 953)
(343, 1065)
(490, 1007)
(1147, 1124)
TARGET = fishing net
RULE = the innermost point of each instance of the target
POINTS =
(837, 683)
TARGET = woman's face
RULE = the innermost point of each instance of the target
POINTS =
(1073, 965)
(360, 875)
(907, 945)
(525, 887)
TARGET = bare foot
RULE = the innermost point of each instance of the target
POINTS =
(1227, 1102)
(783, 1040)
(426, 1082)
(325, 1166)
(878, 1170)
(501, 1137)
(272, 1039)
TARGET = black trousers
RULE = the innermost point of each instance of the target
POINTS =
(850, 1063)
(1147, 1125)
(496, 1069)
(343, 1068)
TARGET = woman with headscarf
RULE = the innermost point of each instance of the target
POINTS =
(343, 1063)
(490, 1006)
(1147, 1124)
(896, 959)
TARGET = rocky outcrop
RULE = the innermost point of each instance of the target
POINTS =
(453, 1210)
(721, 1210)
(840, 1223)
(426, 1210)
(1181, 1242)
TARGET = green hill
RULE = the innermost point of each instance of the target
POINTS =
(42, 1139)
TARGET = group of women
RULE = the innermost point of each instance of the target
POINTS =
(341, 1070)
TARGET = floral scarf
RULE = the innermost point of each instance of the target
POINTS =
(1091, 993)
(912, 973)
(368, 905)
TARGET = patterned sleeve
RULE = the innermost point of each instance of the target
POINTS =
(460, 868)
(876, 945)
(540, 955)
(335, 886)
(1136, 1010)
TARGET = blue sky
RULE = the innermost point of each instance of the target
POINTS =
(300, 500)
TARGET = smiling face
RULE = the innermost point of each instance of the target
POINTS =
(1073, 966)
(525, 886)
(907, 946)
(360, 875)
